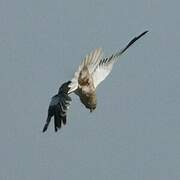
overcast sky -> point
(135, 131)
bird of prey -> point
(91, 72)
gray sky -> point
(134, 133)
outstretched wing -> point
(105, 65)
(58, 107)
(90, 61)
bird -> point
(91, 72)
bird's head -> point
(64, 87)
(91, 105)
(92, 109)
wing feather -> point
(105, 65)
(90, 61)
(58, 107)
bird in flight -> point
(91, 72)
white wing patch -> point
(104, 68)
(91, 61)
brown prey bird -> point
(91, 72)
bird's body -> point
(91, 72)
(86, 90)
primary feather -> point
(105, 65)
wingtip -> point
(145, 32)
(142, 34)
(44, 129)
(138, 37)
